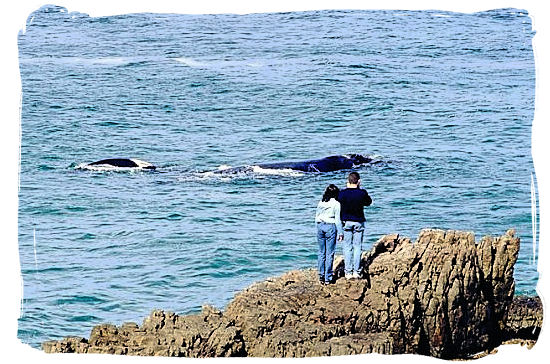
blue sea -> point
(445, 100)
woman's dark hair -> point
(330, 192)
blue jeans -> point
(353, 237)
(326, 236)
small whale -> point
(327, 164)
(117, 164)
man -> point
(352, 200)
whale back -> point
(327, 164)
(359, 159)
(330, 164)
(116, 162)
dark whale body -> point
(328, 164)
(116, 162)
(120, 163)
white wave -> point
(254, 64)
(141, 164)
(245, 172)
(441, 15)
(190, 62)
(100, 167)
(115, 61)
(107, 168)
(371, 156)
(206, 176)
(278, 172)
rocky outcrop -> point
(443, 296)
(162, 334)
(523, 319)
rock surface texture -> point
(444, 296)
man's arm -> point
(367, 200)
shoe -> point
(348, 276)
(355, 275)
(321, 281)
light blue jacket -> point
(329, 212)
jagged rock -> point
(162, 333)
(443, 296)
(524, 319)
(67, 345)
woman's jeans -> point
(353, 237)
(326, 236)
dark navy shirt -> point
(352, 201)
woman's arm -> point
(339, 228)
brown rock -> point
(524, 319)
(443, 296)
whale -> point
(117, 164)
(327, 164)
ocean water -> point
(445, 99)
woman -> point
(328, 226)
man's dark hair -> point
(330, 192)
(353, 178)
